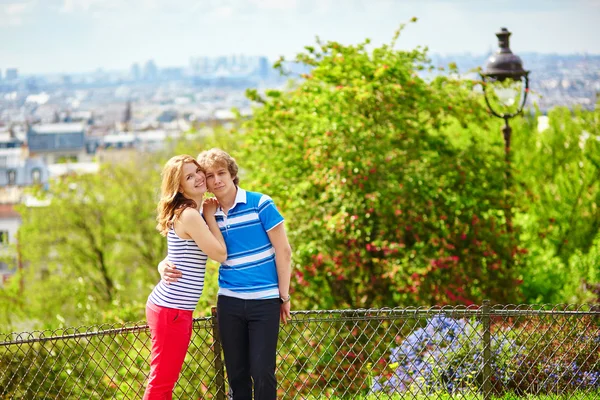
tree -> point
(383, 209)
(92, 245)
(558, 171)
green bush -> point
(382, 208)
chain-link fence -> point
(487, 352)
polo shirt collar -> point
(240, 197)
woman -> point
(190, 240)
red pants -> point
(171, 331)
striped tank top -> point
(191, 261)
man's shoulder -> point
(256, 199)
(250, 193)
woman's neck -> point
(198, 201)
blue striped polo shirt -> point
(249, 272)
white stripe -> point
(191, 260)
(265, 294)
(263, 199)
(250, 258)
(243, 218)
(254, 265)
(275, 226)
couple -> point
(242, 230)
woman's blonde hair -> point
(172, 202)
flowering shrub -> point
(446, 355)
(557, 357)
(384, 207)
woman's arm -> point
(208, 240)
(209, 207)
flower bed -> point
(529, 357)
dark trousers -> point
(249, 330)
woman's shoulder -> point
(190, 214)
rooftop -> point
(65, 127)
(8, 211)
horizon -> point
(142, 62)
(84, 36)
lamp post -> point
(503, 68)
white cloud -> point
(274, 4)
(95, 6)
(210, 8)
(223, 11)
(323, 7)
(15, 8)
(70, 6)
(13, 14)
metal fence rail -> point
(486, 352)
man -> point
(254, 281)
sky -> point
(70, 36)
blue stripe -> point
(240, 212)
(265, 205)
(248, 238)
(250, 252)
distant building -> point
(12, 74)
(58, 170)
(264, 68)
(127, 115)
(17, 171)
(10, 221)
(136, 72)
(85, 116)
(167, 116)
(124, 146)
(61, 142)
(171, 74)
(118, 141)
(156, 140)
(8, 139)
(150, 71)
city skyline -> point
(74, 36)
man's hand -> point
(284, 312)
(168, 272)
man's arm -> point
(168, 271)
(283, 262)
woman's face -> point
(193, 181)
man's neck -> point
(227, 200)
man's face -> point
(219, 181)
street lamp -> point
(502, 68)
(503, 79)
